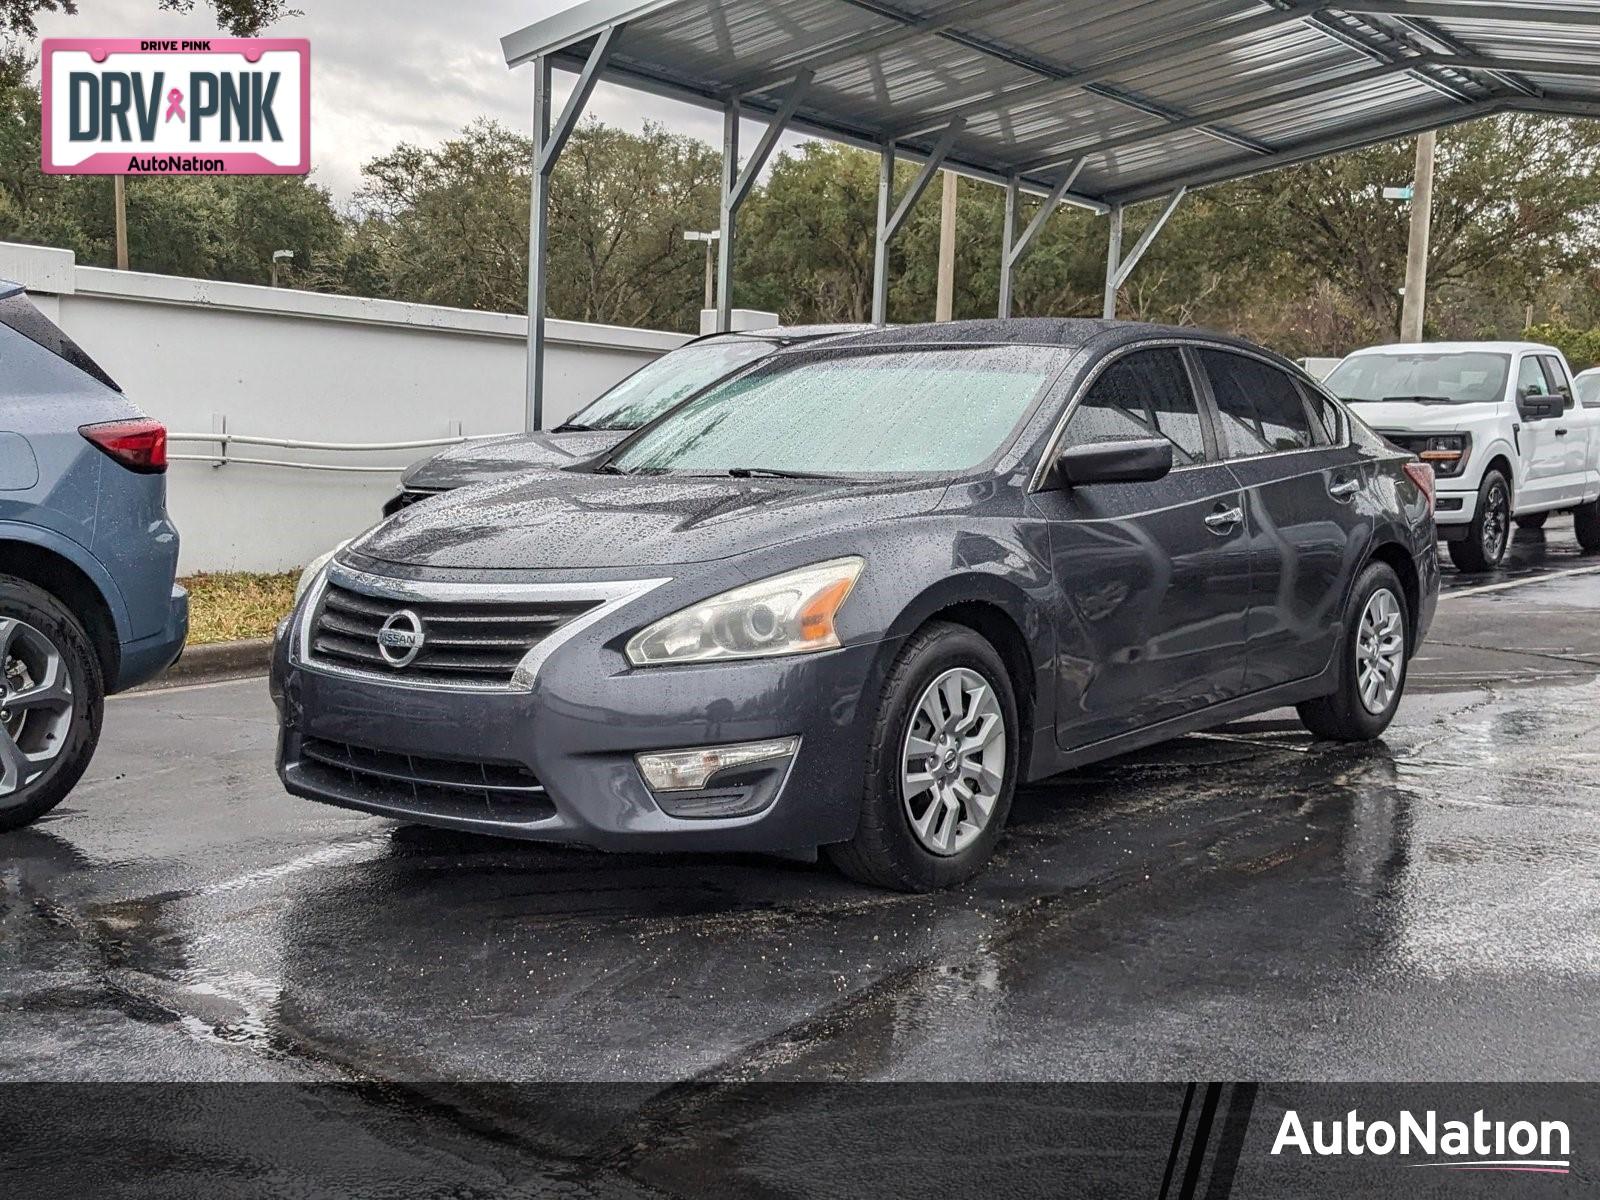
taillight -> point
(138, 445)
(1422, 475)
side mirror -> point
(1536, 407)
(1133, 460)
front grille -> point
(476, 644)
(436, 786)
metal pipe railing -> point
(224, 440)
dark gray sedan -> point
(601, 424)
(850, 598)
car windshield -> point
(1465, 377)
(671, 379)
(1589, 389)
(934, 410)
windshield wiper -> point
(572, 427)
(773, 473)
(609, 469)
(1408, 400)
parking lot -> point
(1238, 904)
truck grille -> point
(434, 786)
(475, 644)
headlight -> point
(1446, 453)
(787, 614)
(316, 567)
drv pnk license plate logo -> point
(215, 106)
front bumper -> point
(1456, 505)
(575, 734)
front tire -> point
(941, 768)
(1586, 522)
(52, 700)
(1487, 537)
(1372, 666)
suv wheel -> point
(1587, 524)
(52, 699)
(1490, 531)
(1372, 667)
(942, 766)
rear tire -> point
(931, 807)
(1490, 532)
(1533, 521)
(52, 698)
(1373, 663)
(1587, 524)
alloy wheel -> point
(36, 709)
(953, 762)
(1496, 521)
(1380, 651)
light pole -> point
(1421, 196)
(710, 239)
(279, 256)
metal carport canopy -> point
(1101, 103)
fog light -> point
(690, 770)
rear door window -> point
(1261, 408)
(1140, 395)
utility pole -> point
(710, 239)
(1416, 301)
(945, 305)
(119, 197)
(279, 256)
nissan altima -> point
(850, 598)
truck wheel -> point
(1533, 521)
(1373, 663)
(52, 699)
(941, 769)
(1587, 523)
(1489, 533)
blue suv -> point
(88, 602)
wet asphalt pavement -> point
(1242, 904)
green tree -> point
(242, 18)
(449, 225)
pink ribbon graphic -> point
(175, 105)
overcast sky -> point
(391, 71)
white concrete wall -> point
(304, 366)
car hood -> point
(482, 462)
(585, 521)
(1408, 417)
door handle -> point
(1345, 490)
(1561, 433)
(1224, 520)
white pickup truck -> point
(1503, 425)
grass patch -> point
(234, 605)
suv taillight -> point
(1422, 475)
(138, 445)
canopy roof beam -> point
(550, 136)
(737, 182)
(890, 223)
(1014, 248)
(1083, 78)
(852, 48)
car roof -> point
(786, 334)
(1070, 333)
(1458, 348)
